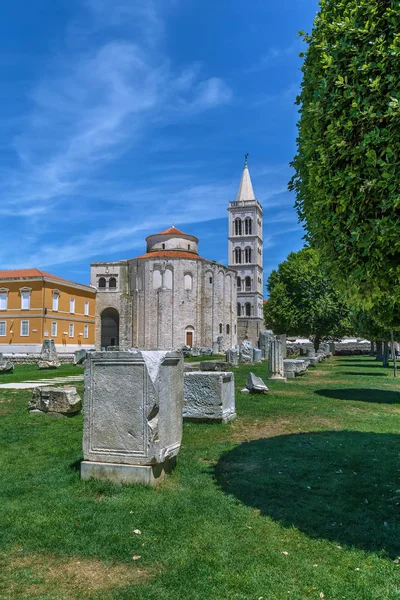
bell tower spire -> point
(245, 252)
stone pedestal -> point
(275, 361)
(132, 416)
(209, 397)
(232, 357)
(215, 348)
(257, 355)
(284, 348)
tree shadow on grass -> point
(335, 485)
(353, 363)
(361, 394)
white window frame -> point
(86, 308)
(56, 297)
(54, 329)
(4, 296)
(22, 328)
(71, 330)
(72, 305)
(5, 328)
(86, 332)
(25, 295)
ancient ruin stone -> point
(209, 397)
(255, 384)
(55, 400)
(133, 415)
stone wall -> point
(250, 328)
(32, 359)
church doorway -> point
(109, 328)
(189, 333)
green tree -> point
(302, 300)
(346, 168)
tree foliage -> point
(347, 164)
(303, 302)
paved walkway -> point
(26, 385)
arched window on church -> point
(239, 309)
(102, 282)
(247, 255)
(247, 309)
(238, 256)
(238, 227)
(239, 283)
(112, 284)
(247, 283)
(247, 226)
(188, 280)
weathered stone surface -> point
(257, 355)
(297, 365)
(265, 339)
(215, 347)
(58, 400)
(232, 357)
(246, 351)
(188, 368)
(284, 341)
(79, 357)
(48, 352)
(48, 364)
(213, 365)
(195, 352)
(310, 353)
(245, 391)
(133, 414)
(293, 367)
(275, 360)
(255, 384)
(6, 366)
(209, 397)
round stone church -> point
(166, 298)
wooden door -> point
(189, 339)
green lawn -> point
(32, 372)
(299, 498)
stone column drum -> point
(132, 415)
(275, 360)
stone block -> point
(48, 364)
(265, 339)
(48, 351)
(294, 365)
(55, 400)
(246, 352)
(133, 415)
(79, 357)
(255, 384)
(257, 355)
(6, 366)
(213, 365)
(209, 397)
(232, 357)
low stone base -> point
(223, 419)
(118, 473)
(277, 378)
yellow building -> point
(35, 306)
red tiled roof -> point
(171, 254)
(170, 231)
(30, 273)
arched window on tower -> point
(247, 309)
(247, 255)
(238, 227)
(248, 226)
(102, 282)
(247, 283)
(239, 283)
(238, 256)
(112, 284)
(239, 309)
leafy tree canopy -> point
(302, 301)
(347, 165)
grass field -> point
(299, 498)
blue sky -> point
(119, 117)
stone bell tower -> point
(245, 256)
